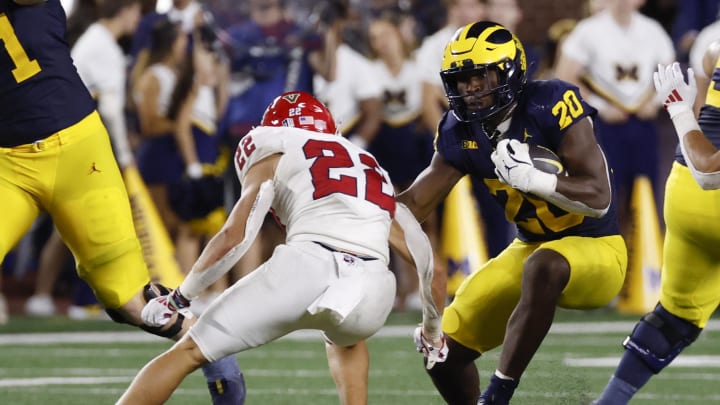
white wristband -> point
(542, 184)
(685, 122)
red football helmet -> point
(299, 109)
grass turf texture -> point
(571, 367)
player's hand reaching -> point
(513, 165)
(159, 310)
(434, 350)
(670, 86)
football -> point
(545, 160)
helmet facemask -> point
(483, 72)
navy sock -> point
(616, 392)
(225, 381)
(227, 367)
(633, 370)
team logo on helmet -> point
(291, 97)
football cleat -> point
(498, 391)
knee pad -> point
(659, 337)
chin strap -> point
(498, 133)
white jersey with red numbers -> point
(327, 190)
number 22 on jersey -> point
(25, 68)
(329, 155)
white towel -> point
(344, 293)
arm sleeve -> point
(421, 251)
(197, 281)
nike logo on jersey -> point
(526, 135)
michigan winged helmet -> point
(484, 51)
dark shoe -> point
(498, 392)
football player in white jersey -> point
(337, 206)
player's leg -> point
(17, 201)
(653, 344)
(349, 369)
(91, 210)
(475, 322)
(161, 376)
(545, 275)
(278, 293)
(597, 273)
(365, 289)
(689, 285)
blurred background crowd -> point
(199, 74)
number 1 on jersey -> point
(24, 67)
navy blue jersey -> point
(545, 111)
(40, 90)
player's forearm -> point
(595, 194)
(231, 243)
(703, 154)
(702, 158)
(699, 153)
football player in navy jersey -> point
(568, 253)
(55, 156)
(690, 277)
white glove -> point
(157, 312)
(670, 86)
(514, 167)
(434, 352)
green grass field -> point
(58, 361)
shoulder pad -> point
(258, 144)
